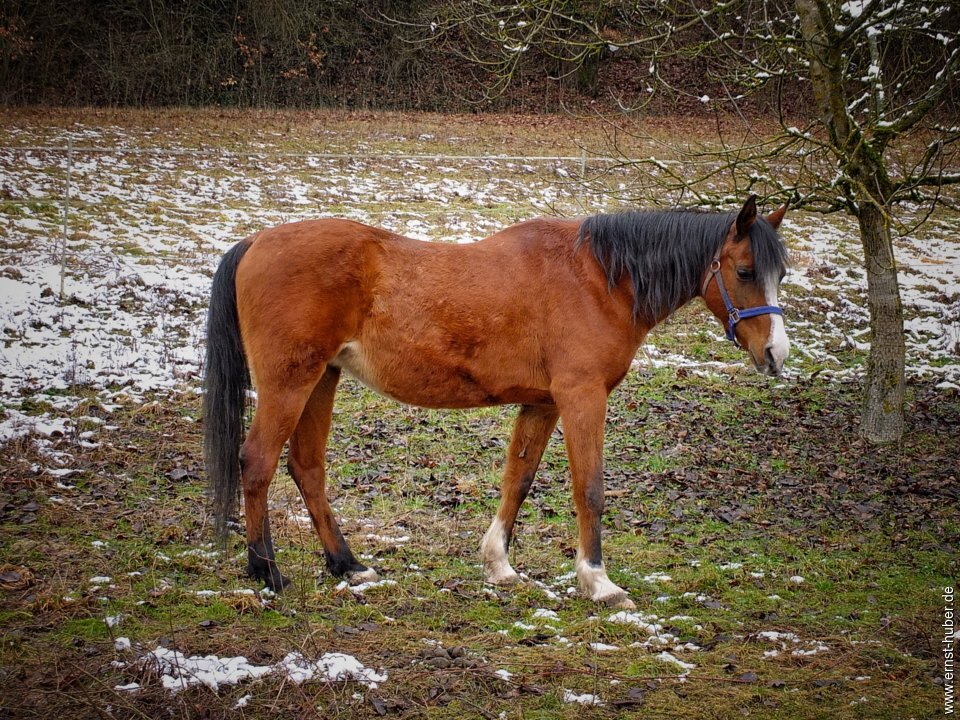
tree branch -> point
(854, 27)
(923, 107)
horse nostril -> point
(772, 366)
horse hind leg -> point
(531, 431)
(276, 416)
(308, 446)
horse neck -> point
(664, 315)
(652, 261)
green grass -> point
(869, 594)
(702, 472)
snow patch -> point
(178, 671)
(570, 697)
(670, 658)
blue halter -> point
(734, 315)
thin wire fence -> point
(92, 224)
(71, 151)
(366, 155)
(575, 180)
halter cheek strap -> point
(734, 315)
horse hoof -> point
(501, 574)
(615, 599)
(510, 578)
(269, 576)
(277, 583)
(626, 604)
(358, 577)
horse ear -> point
(776, 217)
(747, 216)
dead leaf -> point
(635, 697)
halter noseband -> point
(734, 315)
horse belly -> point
(352, 359)
(433, 382)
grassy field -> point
(781, 568)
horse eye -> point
(745, 274)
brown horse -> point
(546, 314)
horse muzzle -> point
(769, 365)
(776, 350)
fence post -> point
(66, 219)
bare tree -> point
(879, 73)
(875, 79)
(851, 48)
(568, 40)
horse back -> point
(431, 324)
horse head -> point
(741, 285)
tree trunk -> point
(882, 417)
(588, 74)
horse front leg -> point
(531, 431)
(583, 411)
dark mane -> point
(666, 253)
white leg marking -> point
(595, 584)
(493, 551)
(358, 578)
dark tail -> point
(226, 381)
